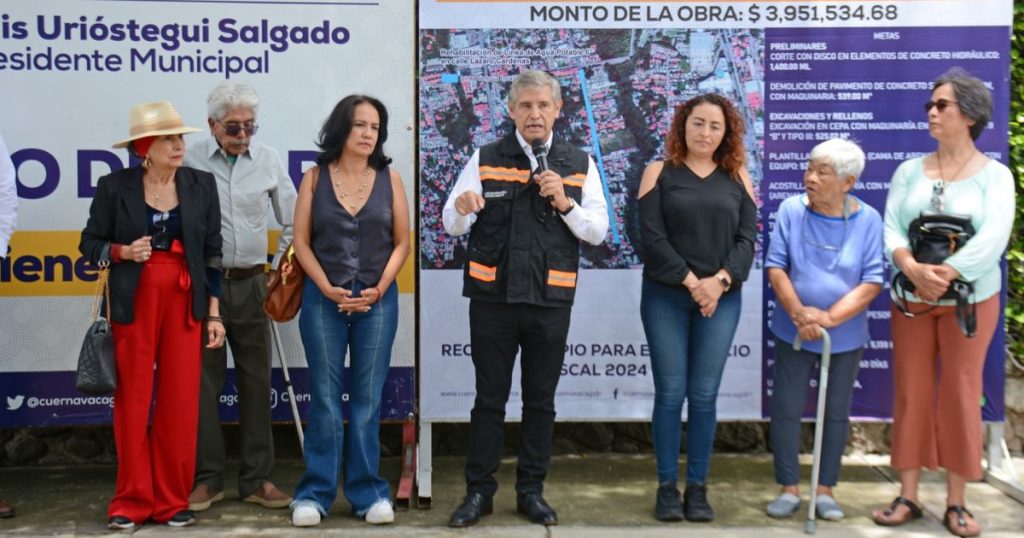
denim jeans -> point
(688, 353)
(329, 446)
(791, 374)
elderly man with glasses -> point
(251, 178)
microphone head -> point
(538, 147)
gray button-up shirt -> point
(257, 179)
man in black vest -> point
(520, 277)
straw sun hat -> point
(154, 119)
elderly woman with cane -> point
(825, 265)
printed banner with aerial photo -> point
(70, 70)
(799, 72)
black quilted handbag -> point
(97, 369)
(933, 238)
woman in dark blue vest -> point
(351, 237)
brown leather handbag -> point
(284, 293)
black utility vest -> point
(520, 250)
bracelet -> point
(215, 318)
(379, 294)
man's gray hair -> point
(228, 96)
(533, 79)
(844, 156)
(972, 96)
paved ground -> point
(597, 496)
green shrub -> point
(1015, 255)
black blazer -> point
(118, 216)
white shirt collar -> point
(527, 148)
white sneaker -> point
(305, 514)
(380, 513)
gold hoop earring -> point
(147, 162)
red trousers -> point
(156, 440)
(937, 377)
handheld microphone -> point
(540, 151)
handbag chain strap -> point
(102, 291)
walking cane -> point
(826, 358)
(288, 384)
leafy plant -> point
(1015, 255)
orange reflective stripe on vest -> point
(562, 279)
(575, 180)
(482, 272)
(497, 173)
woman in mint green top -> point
(987, 195)
(936, 414)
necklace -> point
(942, 175)
(151, 190)
(339, 184)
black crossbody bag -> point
(933, 238)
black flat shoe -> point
(695, 504)
(533, 506)
(667, 506)
(120, 523)
(473, 507)
(185, 518)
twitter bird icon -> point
(14, 403)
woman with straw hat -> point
(158, 224)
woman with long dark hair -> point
(351, 237)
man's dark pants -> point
(497, 331)
(248, 334)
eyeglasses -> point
(938, 195)
(160, 240)
(232, 128)
(940, 104)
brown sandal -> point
(913, 513)
(961, 522)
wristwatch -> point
(723, 281)
(572, 205)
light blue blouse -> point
(825, 257)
